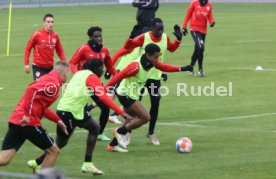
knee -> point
(61, 142)
(146, 118)
(4, 161)
(54, 150)
(95, 129)
(155, 100)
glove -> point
(107, 75)
(213, 24)
(164, 77)
(90, 107)
(187, 68)
(177, 32)
(184, 31)
(135, 31)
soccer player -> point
(24, 123)
(199, 12)
(133, 78)
(145, 13)
(44, 42)
(157, 36)
(72, 109)
(94, 49)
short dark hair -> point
(155, 21)
(47, 15)
(92, 29)
(152, 48)
(92, 64)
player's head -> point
(151, 56)
(63, 69)
(157, 27)
(203, 2)
(95, 38)
(48, 21)
(95, 65)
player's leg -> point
(103, 117)
(93, 129)
(12, 142)
(38, 71)
(61, 138)
(199, 49)
(39, 137)
(201, 55)
(153, 87)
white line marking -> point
(13, 55)
(254, 69)
(260, 40)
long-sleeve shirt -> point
(139, 41)
(95, 83)
(133, 68)
(122, 51)
(44, 44)
(84, 53)
(198, 16)
(37, 99)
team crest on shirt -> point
(208, 8)
(54, 40)
(103, 55)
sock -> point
(114, 142)
(88, 158)
(40, 159)
(122, 130)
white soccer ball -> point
(184, 145)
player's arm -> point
(59, 50)
(149, 4)
(172, 46)
(188, 15)
(93, 82)
(108, 63)
(75, 59)
(131, 70)
(122, 51)
(31, 44)
(135, 42)
(171, 68)
(211, 18)
(52, 116)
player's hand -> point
(135, 31)
(184, 31)
(187, 68)
(128, 117)
(62, 126)
(213, 24)
(107, 75)
(164, 77)
(27, 68)
(24, 121)
(177, 32)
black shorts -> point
(39, 71)
(126, 101)
(70, 122)
(16, 136)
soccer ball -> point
(184, 145)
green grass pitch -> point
(233, 136)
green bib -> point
(133, 85)
(155, 73)
(76, 95)
(125, 60)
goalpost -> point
(9, 29)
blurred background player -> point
(24, 122)
(44, 42)
(146, 10)
(133, 78)
(72, 109)
(199, 12)
(94, 49)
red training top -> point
(94, 82)
(44, 44)
(84, 53)
(198, 16)
(36, 100)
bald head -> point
(63, 69)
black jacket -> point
(146, 11)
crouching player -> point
(72, 109)
(24, 123)
(134, 77)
